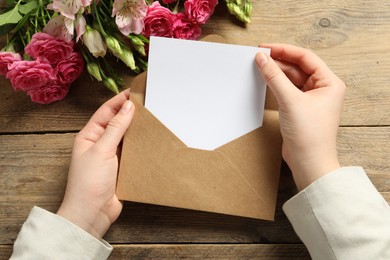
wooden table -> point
(352, 36)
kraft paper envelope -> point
(239, 178)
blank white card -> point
(207, 94)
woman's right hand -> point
(310, 98)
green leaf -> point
(10, 17)
(22, 22)
(30, 6)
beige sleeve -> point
(342, 216)
(45, 235)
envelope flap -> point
(143, 122)
(138, 88)
(188, 178)
(257, 155)
(165, 172)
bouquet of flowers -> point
(50, 42)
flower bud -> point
(128, 58)
(136, 41)
(111, 85)
(233, 8)
(241, 9)
(94, 70)
(248, 8)
(93, 40)
(140, 50)
(114, 46)
(137, 44)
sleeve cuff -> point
(341, 215)
(45, 235)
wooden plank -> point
(180, 251)
(351, 35)
(33, 171)
(368, 147)
(252, 251)
(5, 252)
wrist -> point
(308, 169)
(304, 177)
(92, 221)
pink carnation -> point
(70, 69)
(199, 10)
(28, 75)
(183, 28)
(53, 91)
(158, 21)
(49, 47)
(6, 59)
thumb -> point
(283, 89)
(117, 126)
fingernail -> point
(127, 106)
(261, 59)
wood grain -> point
(180, 251)
(33, 171)
(252, 251)
(351, 36)
(368, 147)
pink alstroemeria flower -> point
(63, 27)
(69, 8)
(130, 15)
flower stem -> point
(21, 37)
(105, 6)
(42, 10)
(47, 13)
(96, 14)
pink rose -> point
(168, 1)
(28, 75)
(70, 69)
(53, 49)
(158, 21)
(199, 10)
(6, 59)
(183, 28)
(53, 91)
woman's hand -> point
(90, 201)
(310, 98)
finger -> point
(293, 73)
(304, 58)
(96, 126)
(283, 89)
(109, 109)
(117, 127)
